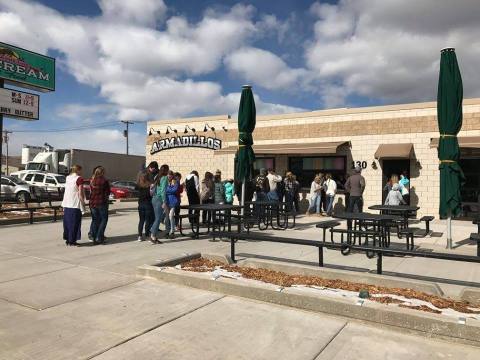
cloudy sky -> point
(161, 59)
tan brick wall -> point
(365, 130)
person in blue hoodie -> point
(171, 202)
(229, 191)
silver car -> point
(13, 188)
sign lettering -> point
(19, 104)
(27, 69)
(186, 141)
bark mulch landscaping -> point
(285, 280)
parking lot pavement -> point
(59, 302)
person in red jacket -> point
(181, 187)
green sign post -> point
(24, 68)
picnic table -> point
(267, 213)
(221, 215)
(403, 210)
(368, 225)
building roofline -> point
(317, 113)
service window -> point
(263, 163)
(305, 168)
(39, 178)
(50, 181)
(28, 177)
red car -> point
(122, 189)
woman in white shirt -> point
(73, 206)
(315, 195)
(330, 186)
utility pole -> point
(125, 132)
(5, 139)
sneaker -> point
(90, 237)
(140, 238)
(153, 239)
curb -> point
(432, 325)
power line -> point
(78, 128)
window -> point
(38, 178)
(470, 191)
(60, 179)
(263, 163)
(29, 177)
(5, 182)
(51, 180)
(305, 168)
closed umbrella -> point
(246, 124)
(449, 115)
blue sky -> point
(154, 59)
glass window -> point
(60, 179)
(51, 180)
(5, 181)
(305, 168)
(471, 190)
(263, 163)
(38, 178)
(28, 177)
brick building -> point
(383, 140)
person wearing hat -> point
(355, 186)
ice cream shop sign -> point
(186, 141)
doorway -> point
(390, 167)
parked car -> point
(123, 189)
(45, 185)
(13, 188)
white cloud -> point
(390, 50)
(264, 68)
(144, 12)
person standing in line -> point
(151, 171)
(405, 187)
(273, 180)
(181, 187)
(394, 196)
(99, 193)
(73, 204)
(262, 187)
(192, 187)
(296, 193)
(229, 191)
(145, 208)
(330, 186)
(171, 203)
(315, 196)
(289, 185)
(355, 186)
(206, 195)
(94, 221)
(323, 195)
(218, 189)
(159, 202)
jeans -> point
(159, 215)
(146, 216)
(355, 200)
(330, 199)
(272, 196)
(170, 220)
(207, 215)
(99, 222)
(315, 203)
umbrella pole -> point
(449, 231)
(242, 203)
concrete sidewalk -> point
(59, 302)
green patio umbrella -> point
(246, 124)
(449, 115)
